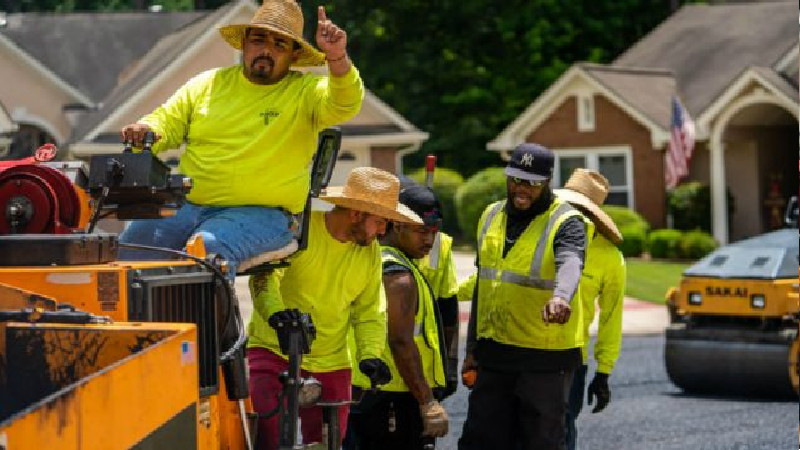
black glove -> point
(599, 388)
(376, 370)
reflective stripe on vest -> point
(489, 217)
(533, 279)
(433, 255)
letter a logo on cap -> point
(527, 160)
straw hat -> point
(374, 191)
(588, 190)
(281, 16)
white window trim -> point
(586, 112)
(592, 155)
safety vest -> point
(426, 334)
(513, 290)
(437, 267)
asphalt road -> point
(647, 412)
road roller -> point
(734, 318)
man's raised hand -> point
(331, 39)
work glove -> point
(469, 371)
(376, 370)
(599, 388)
(434, 419)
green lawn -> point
(650, 280)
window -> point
(615, 163)
(585, 112)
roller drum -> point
(732, 362)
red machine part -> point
(37, 199)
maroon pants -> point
(265, 387)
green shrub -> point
(445, 184)
(625, 217)
(664, 243)
(690, 206)
(696, 244)
(633, 240)
(481, 189)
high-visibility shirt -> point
(466, 288)
(438, 267)
(603, 278)
(426, 333)
(513, 290)
(339, 285)
(250, 144)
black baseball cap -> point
(531, 162)
(422, 201)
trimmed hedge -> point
(625, 217)
(664, 243)
(445, 184)
(633, 240)
(697, 244)
(480, 190)
(690, 206)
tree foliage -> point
(463, 70)
(459, 70)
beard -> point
(260, 73)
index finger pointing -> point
(321, 13)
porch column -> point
(719, 199)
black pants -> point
(509, 408)
(575, 405)
(386, 421)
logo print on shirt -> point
(527, 160)
(269, 114)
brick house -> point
(735, 67)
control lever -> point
(149, 140)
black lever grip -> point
(149, 140)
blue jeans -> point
(575, 405)
(235, 233)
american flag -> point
(681, 144)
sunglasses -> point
(534, 183)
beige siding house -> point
(76, 79)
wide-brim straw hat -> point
(588, 190)
(280, 16)
(373, 191)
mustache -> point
(262, 58)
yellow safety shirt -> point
(339, 285)
(603, 278)
(250, 144)
(438, 267)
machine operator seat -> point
(330, 140)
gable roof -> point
(639, 92)
(707, 46)
(89, 50)
(780, 88)
(643, 89)
(152, 64)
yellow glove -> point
(434, 419)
